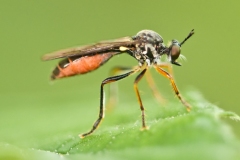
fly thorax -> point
(149, 48)
(146, 52)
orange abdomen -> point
(79, 65)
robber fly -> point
(146, 47)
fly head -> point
(174, 50)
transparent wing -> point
(91, 49)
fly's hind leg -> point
(113, 92)
(113, 87)
(101, 112)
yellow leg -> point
(138, 78)
(169, 76)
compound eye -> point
(175, 52)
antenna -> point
(189, 35)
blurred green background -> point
(29, 29)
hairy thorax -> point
(150, 48)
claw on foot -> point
(188, 108)
(144, 128)
(81, 136)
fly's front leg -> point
(168, 67)
(169, 76)
(138, 78)
(101, 112)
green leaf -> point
(174, 134)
